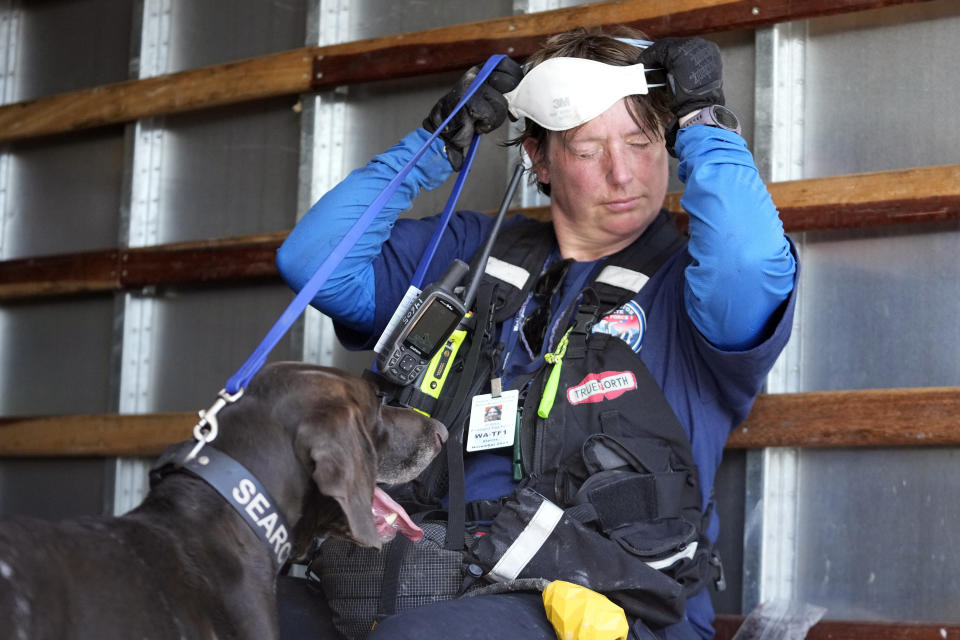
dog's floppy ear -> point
(345, 467)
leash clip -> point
(207, 428)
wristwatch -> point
(714, 116)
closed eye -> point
(585, 153)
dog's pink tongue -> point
(391, 518)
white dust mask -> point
(562, 93)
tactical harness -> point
(610, 495)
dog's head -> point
(348, 441)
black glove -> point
(694, 71)
(485, 111)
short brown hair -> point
(651, 111)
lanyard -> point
(577, 278)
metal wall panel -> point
(207, 33)
(72, 44)
(879, 534)
(375, 18)
(230, 172)
(55, 357)
(224, 172)
(883, 87)
(879, 309)
(65, 195)
(202, 338)
(52, 488)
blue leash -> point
(421, 271)
(241, 378)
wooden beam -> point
(94, 435)
(246, 259)
(285, 73)
(48, 276)
(463, 45)
(926, 194)
(923, 194)
(390, 57)
(727, 625)
(870, 418)
(230, 260)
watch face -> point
(725, 118)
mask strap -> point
(643, 44)
(635, 42)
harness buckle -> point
(207, 428)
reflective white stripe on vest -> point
(527, 543)
(688, 552)
(509, 273)
(624, 278)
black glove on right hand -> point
(485, 111)
(694, 71)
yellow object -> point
(436, 372)
(578, 613)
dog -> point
(186, 563)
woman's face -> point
(607, 182)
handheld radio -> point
(424, 328)
(436, 312)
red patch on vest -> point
(597, 387)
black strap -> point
(527, 245)
(470, 378)
(390, 589)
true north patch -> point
(596, 387)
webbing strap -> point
(519, 554)
(395, 554)
(456, 481)
(242, 377)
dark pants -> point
(303, 611)
(304, 614)
(502, 616)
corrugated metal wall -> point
(867, 533)
(880, 308)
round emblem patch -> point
(627, 323)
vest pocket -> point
(661, 543)
(629, 489)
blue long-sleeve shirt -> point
(742, 267)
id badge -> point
(492, 421)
